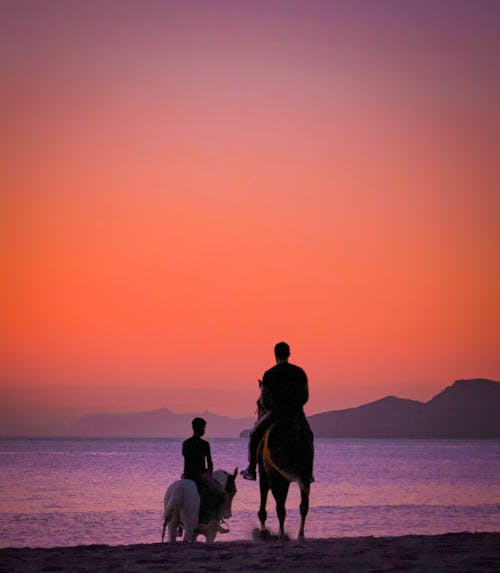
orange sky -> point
(186, 183)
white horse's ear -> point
(235, 472)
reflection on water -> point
(68, 492)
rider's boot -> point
(250, 473)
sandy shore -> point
(457, 552)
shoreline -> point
(457, 552)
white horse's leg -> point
(172, 532)
(190, 523)
(190, 513)
(212, 531)
(173, 500)
(172, 528)
(167, 514)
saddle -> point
(291, 429)
(210, 502)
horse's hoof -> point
(283, 537)
(263, 535)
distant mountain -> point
(388, 417)
(160, 423)
(467, 409)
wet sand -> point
(457, 552)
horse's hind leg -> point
(280, 494)
(304, 508)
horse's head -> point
(227, 481)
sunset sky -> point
(185, 183)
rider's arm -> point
(305, 392)
(266, 395)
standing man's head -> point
(199, 425)
(282, 352)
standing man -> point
(284, 392)
(198, 464)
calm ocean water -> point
(56, 492)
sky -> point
(186, 183)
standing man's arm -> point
(184, 456)
(210, 465)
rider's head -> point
(282, 352)
(199, 425)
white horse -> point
(182, 508)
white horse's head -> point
(227, 482)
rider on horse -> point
(284, 391)
(198, 467)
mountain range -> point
(161, 423)
(466, 409)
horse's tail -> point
(288, 449)
(168, 512)
(269, 462)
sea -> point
(66, 492)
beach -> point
(457, 552)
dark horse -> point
(285, 455)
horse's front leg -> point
(264, 490)
(304, 508)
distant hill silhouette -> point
(159, 423)
(467, 409)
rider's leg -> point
(310, 439)
(256, 436)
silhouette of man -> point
(198, 464)
(284, 391)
